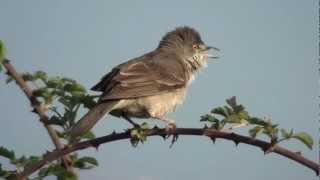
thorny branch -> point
(38, 108)
(63, 152)
(208, 132)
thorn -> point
(96, 146)
(299, 153)
(236, 142)
(113, 132)
(174, 140)
(205, 126)
(213, 140)
(155, 127)
(269, 150)
(163, 136)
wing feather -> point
(139, 78)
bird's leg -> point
(170, 124)
(130, 121)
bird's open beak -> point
(212, 52)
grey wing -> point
(140, 78)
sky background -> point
(268, 60)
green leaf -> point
(144, 125)
(3, 51)
(134, 132)
(4, 152)
(257, 121)
(4, 173)
(286, 134)
(209, 118)
(243, 115)
(238, 108)
(74, 88)
(66, 175)
(58, 171)
(255, 131)
(54, 82)
(89, 135)
(304, 138)
(27, 77)
(20, 162)
(220, 111)
(88, 101)
(40, 75)
(86, 162)
(32, 160)
(56, 121)
(43, 172)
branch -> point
(38, 108)
(211, 133)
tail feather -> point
(90, 119)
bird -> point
(152, 85)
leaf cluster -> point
(62, 98)
(234, 113)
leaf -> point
(4, 152)
(220, 111)
(86, 162)
(43, 172)
(3, 51)
(88, 101)
(144, 125)
(238, 108)
(74, 88)
(4, 173)
(285, 134)
(89, 135)
(27, 77)
(243, 115)
(56, 121)
(40, 75)
(209, 118)
(134, 132)
(20, 162)
(255, 131)
(66, 175)
(257, 121)
(304, 138)
(32, 160)
(55, 82)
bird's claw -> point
(171, 126)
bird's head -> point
(187, 43)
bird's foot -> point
(171, 126)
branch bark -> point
(38, 109)
(208, 132)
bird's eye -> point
(195, 46)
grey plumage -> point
(151, 85)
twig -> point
(211, 133)
(38, 109)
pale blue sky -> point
(268, 60)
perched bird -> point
(151, 85)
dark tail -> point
(90, 119)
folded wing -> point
(140, 78)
